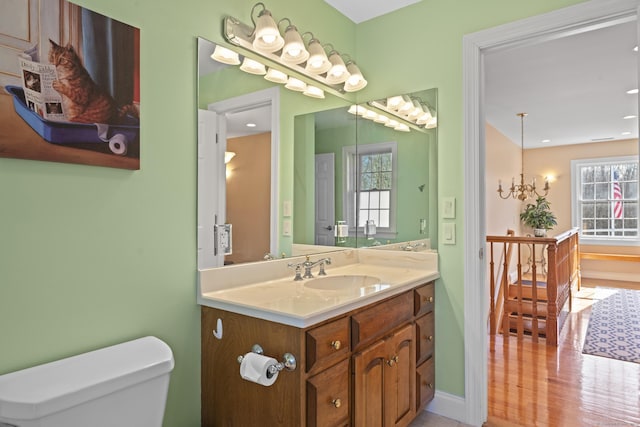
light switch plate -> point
(286, 227)
(449, 233)
(286, 208)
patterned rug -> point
(614, 327)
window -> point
(370, 186)
(605, 199)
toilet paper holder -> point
(288, 361)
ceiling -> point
(363, 10)
(573, 88)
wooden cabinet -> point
(328, 397)
(384, 387)
(424, 302)
(370, 367)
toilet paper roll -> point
(118, 144)
(254, 368)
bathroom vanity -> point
(364, 351)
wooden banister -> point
(529, 311)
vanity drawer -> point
(424, 297)
(328, 397)
(424, 337)
(381, 318)
(425, 383)
(327, 344)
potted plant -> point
(539, 217)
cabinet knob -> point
(393, 361)
(429, 299)
(430, 338)
(336, 402)
(336, 344)
(430, 385)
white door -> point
(325, 199)
(25, 26)
(210, 192)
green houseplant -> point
(539, 217)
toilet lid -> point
(44, 389)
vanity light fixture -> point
(293, 51)
(288, 52)
(408, 110)
(338, 72)
(266, 36)
(355, 81)
(376, 117)
(522, 191)
(253, 67)
(313, 92)
(276, 76)
(225, 56)
(318, 63)
(392, 123)
(295, 85)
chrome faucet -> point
(308, 265)
(414, 247)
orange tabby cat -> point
(83, 100)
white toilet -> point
(124, 385)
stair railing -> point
(536, 304)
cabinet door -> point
(384, 392)
(400, 375)
(328, 397)
(369, 383)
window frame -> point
(351, 161)
(576, 215)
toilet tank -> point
(122, 385)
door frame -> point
(270, 96)
(582, 17)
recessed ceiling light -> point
(632, 91)
(609, 138)
(626, 133)
(546, 140)
(629, 117)
(251, 125)
(635, 49)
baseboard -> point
(448, 405)
(610, 275)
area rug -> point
(614, 327)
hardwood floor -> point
(538, 385)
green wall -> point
(93, 256)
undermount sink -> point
(343, 282)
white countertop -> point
(267, 290)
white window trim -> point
(350, 174)
(575, 190)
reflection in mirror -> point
(375, 171)
(237, 164)
(227, 97)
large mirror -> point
(275, 139)
(360, 182)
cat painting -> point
(83, 100)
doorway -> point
(580, 18)
(212, 173)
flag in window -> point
(617, 196)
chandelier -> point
(522, 191)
